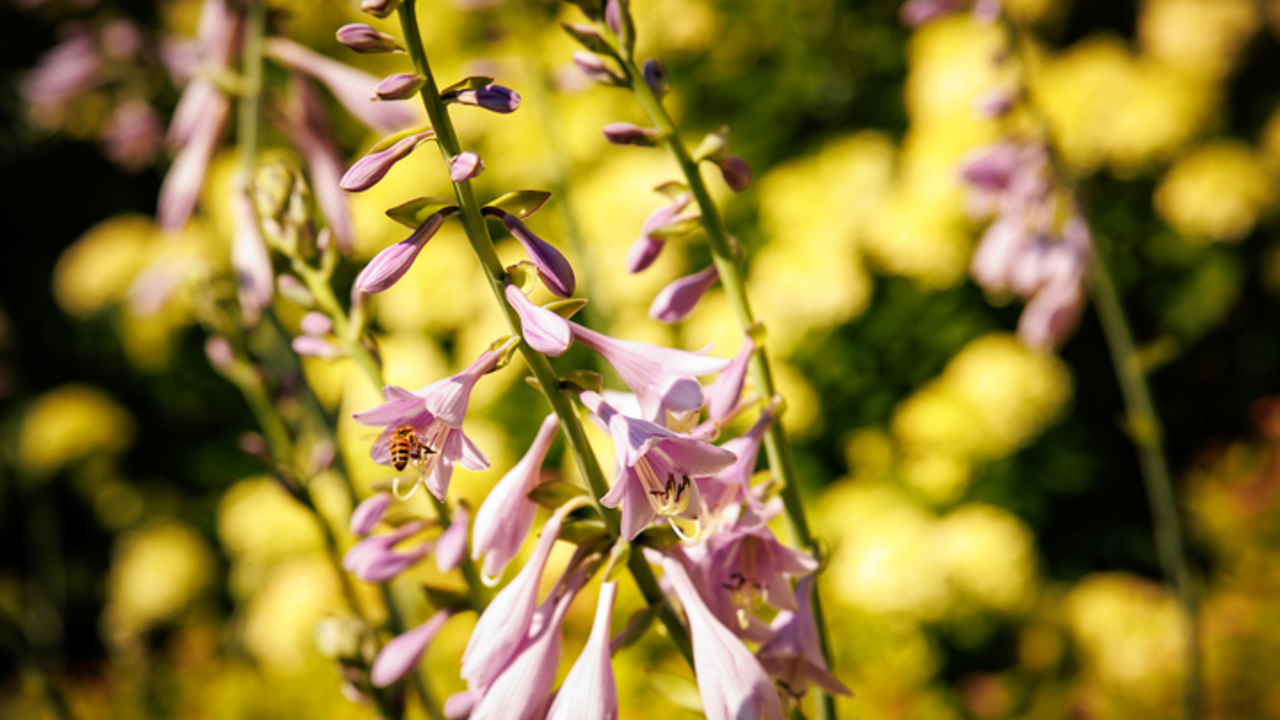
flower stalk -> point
(728, 265)
(482, 245)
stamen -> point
(395, 488)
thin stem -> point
(777, 446)
(250, 103)
(1147, 434)
(482, 245)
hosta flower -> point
(793, 656)
(353, 88)
(662, 378)
(451, 546)
(727, 488)
(589, 691)
(722, 396)
(375, 559)
(545, 331)
(401, 654)
(553, 268)
(435, 414)
(675, 301)
(255, 277)
(649, 246)
(656, 469)
(388, 266)
(731, 681)
(505, 517)
(369, 513)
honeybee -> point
(406, 446)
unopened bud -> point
(399, 86)
(380, 8)
(494, 98)
(294, 291)
(624, 133)
(465, 166)
(218, 350)
(314, 323)
(736, 172)
(364, 39)
(655, 75)
(593, 67)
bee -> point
(406, 446)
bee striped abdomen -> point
(404, 445)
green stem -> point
(250, 102)
(1147, 435)
(482, 245)
(777, 446)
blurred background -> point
(990, 543)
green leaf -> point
(583, 379)
(474, 82)
(415, 212)
(671, 189)
(552, 495)
(583, 532)
(618, 558)
(566, 308)
(390, 140)
(523, 275)
(588, 37)
(677, 230)
(658, 537)
(680, 690)
(521, 203)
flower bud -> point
(399, 86)
(364, 39)
(736, 173)
(655, 75)
(369, 512)
(624, 133)
(494, 98)
(312, 346)
(553, 268)
(314, 323)
(593, 67)
(391, 264)
(380, 8)
(294, 291)
(368, 170)
(677, 300)
(465, 166)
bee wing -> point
(381, 450)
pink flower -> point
(254, 274)
(647, 248)
(545, 331)
(733, 684)
(504, 519)
(435, 413)
(314, 137)
(589, 691)
(375, 559)
(793, 655)
(401, 655)
(553, 268)
(731, 485)
(501, 630)
(368, 513)
(370, 169)
(662, 378)
(451, 546)
(722, 396)
(656, 468)
(675, 301)
(465, 166)
(388, 266)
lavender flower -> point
(675, 301)
(655, 76)
(733, 684)
(501, 630)
(545, 331)
(400, 656)
(593, 67)
(465, 166)
(375, 559)
(369, 513)
(399, 86)
(255, 277)
(504, 519)
(494, 98)
(451, 546)
(364, 39)
(388, 266)
(625, 133)
(656, 470)
(435, 413)
(553, 268)
(662, 378)
(589, 691)
(646, 249)
(317, 347)
(722, 396)
(379, 8)
(793, 656)
(370, 169)
(723, 491)
(68, 69)
(736, 173)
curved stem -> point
(777, 446)
(482, 245)
(1146, 432)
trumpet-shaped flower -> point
(435, 413)
(545, 331)
(793, 656)
(722, 396)
(656, 469)
(731, 681)
(370, 169)
(726, 488)
(505, 517)
(401, 655)
(375, 559)
(501, 630)
(662, 378)
(369, 512)
(589, 691)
